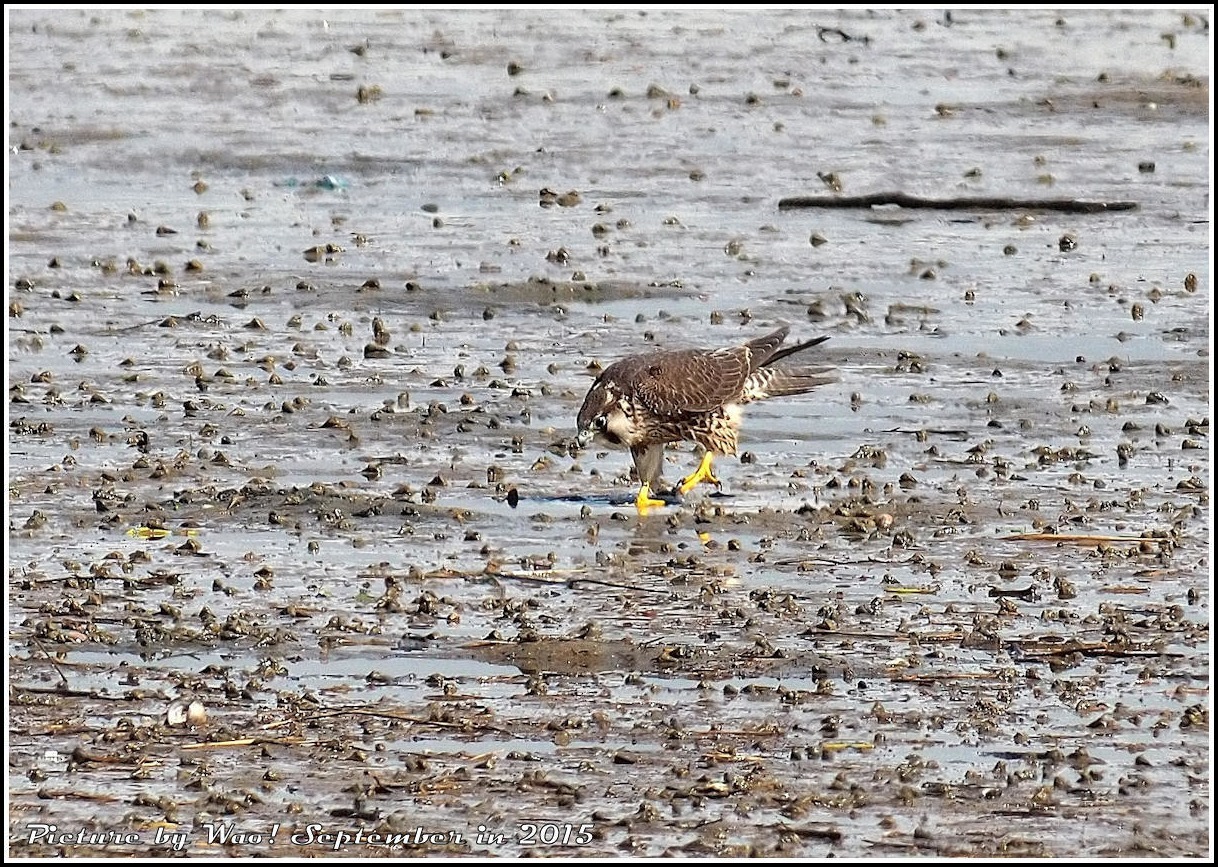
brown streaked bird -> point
(646, 401)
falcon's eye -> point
(601, 422)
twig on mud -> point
(989, 203)
(82, 755)
(939, 678)
(764, 731)
(50, 659)
(1089, 649)
(832, 835)
(1080, 538)
(170, 321)
(960, 433)
(826, 561)
(619, 586)
(243, 742)
(94, 694)
(718, 756)
(822, 32)
(414, 720)
(537, 578)
(72, 794)
(532, 578)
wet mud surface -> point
(302, 558)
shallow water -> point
(848, 651)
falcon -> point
(644, 402)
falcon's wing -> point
(691, 380)
(765, 349)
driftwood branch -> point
(985, 203)
(1080, 538)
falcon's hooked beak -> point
(590, 428)
(598, 425)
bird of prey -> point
(646, 401)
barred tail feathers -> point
(781, 382)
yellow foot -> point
(645, 500)
(702, 474)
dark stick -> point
(1072, 206)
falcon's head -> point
(604, 415)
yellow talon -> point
(645, 500)
(702, 474)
